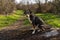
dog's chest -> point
(31, 18)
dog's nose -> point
(26, 16)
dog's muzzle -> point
(27, 15)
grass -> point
(50, 19)
(26, 22)
(10, 19)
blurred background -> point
(12, 10)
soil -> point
(18, 31)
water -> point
(51, 33)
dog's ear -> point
(24, 12)
(30, 11)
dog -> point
(35, 21)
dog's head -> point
(27, 12)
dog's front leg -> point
(33, 30)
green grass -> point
(49, 18)
(10, 19)
(26, 22)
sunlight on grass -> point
(10, 19)
(50, 19)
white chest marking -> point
(29, 18)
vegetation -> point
(13, 21)
(7, 6)
(50, 19)
(10, 19)
(46, 11)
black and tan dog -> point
(34, 20)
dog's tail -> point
(42, 21)
(44, 24)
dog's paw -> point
(38, 30)
(33, 32)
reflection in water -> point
(51, 33)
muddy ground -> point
(18, 31)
